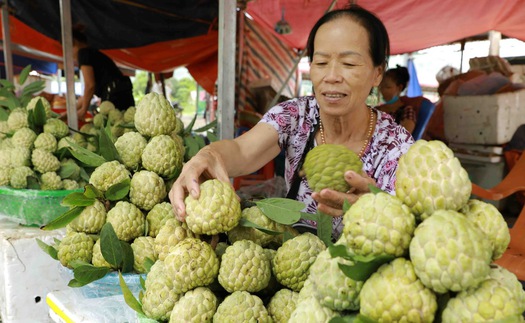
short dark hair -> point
(378, 40)
(79, 34)
(399, 75)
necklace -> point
(371, 121)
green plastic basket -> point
(32, 207)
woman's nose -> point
(333, 73)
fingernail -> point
(194, 193)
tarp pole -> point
(226, 72)
(494, 38)
(67, 50)
(6, 34)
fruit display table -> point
(69, 305)
(27, 272)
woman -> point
(348, 50)
(101, 77)
(394, 82)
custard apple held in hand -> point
(430, 178)
(75, 246)
(450, 252)
(160, 296)
(164, 156)
(108, 174)
(147, 189)
(127, 220)
(378, 224)
(216, 210)
(291, 264)
(191, 263)
(155, 116)
(244, 266)
(325, 166)
(241, 306)
(491, 222)
(197, 305)
(394, 294)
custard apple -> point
(24, 137)
(20, 156)
(56, 127)
(333, 289)
(127, 220)
(108, 174)
(325, 166)
(291, 264)
(99, 121)
(45, 103)
(489, 301)
(105, 107)
(216, 210)
(170, 234)
(5, 174)
(19, 176)
(195, 306)
(75, 246)
(158, 216)
(130, 147)
(491, 222)
(44, 161)
(163, 156)
(378, 224)
(282, 304)
(430, 178)
(115, 115)
(50, 181)
(17, 119)
(155, 115)
(69, 184)
(160, 296)
(508, 279)
(143, 248)
(310, 310)
(4, 129)
(98, 259)
(244, 266)
(394, 294)
(91, 219)
(241, 306)
(46, 141)
(450, 252)
(129, 115)
(254, 215)
(191, 263)
(146, 189)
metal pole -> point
(67, 50)
(226, 74)
(6, 34)
(494, 38)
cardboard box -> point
(28, 274)
(483, 119)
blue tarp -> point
(413, 87)
(19, 62)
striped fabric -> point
(265, 60)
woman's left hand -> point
(330, 202)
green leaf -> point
(106, 147)
(33, 183)
(352, 318)
(50, 250)
(130, 299)
(207, 127)
(3, 114)
(127, 256)
(7, 84)
(147, 264)
(200, 141)
(24, 74)
(84, 155)
(91, 191)
(63, 219)
(88, 273)
(11, 101)
(363, 267)
(129, 125)
(247, 223)
(309, 216)
(346, 206)
(281, 210)
(67, 169)
(374, 189)
(110, 246)
(212, 137)
(30, 89)
(39, 114)
(324, 228)
(189, 128)
(77, 199)
(192, 147)
(118, 191)
(142, 282)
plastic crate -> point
(483, 119)
(32, 207)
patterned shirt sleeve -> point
(409, 113)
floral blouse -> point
(296, 118)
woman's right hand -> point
(207, 164)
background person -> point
(394, 83)
(101, 76)
(348, 50)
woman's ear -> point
(378, 77)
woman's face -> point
(389, 89)
(342, 71)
